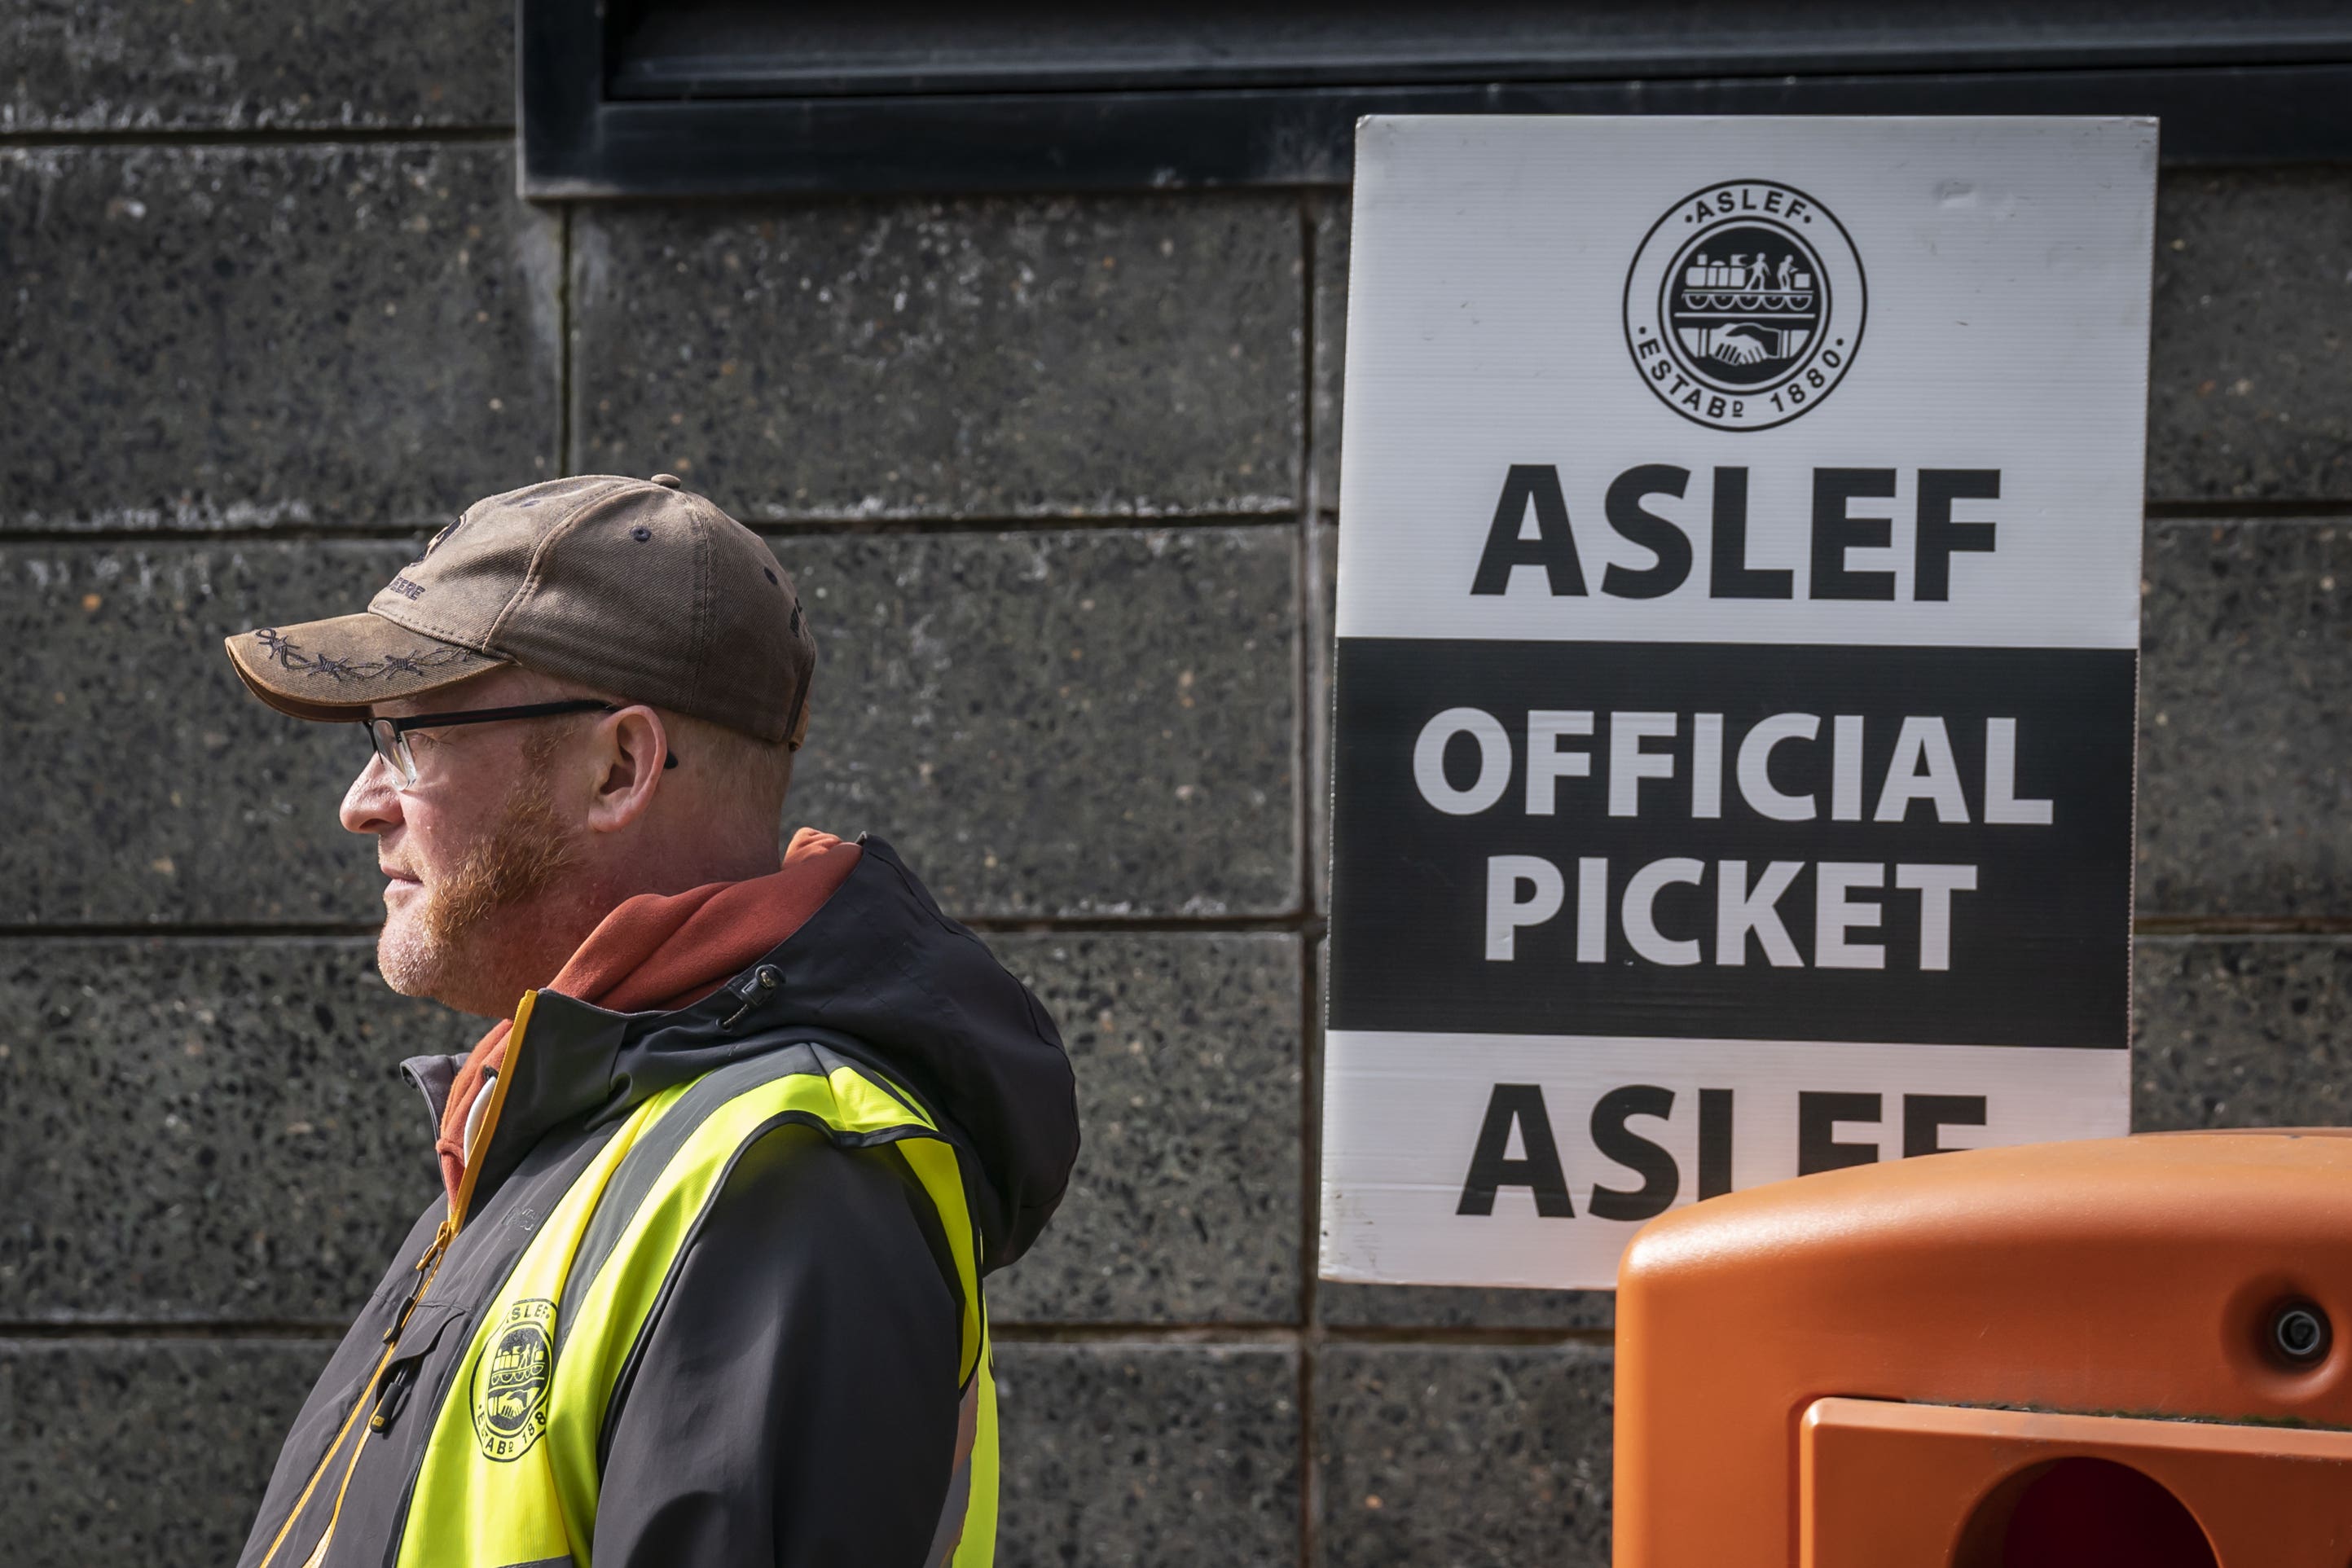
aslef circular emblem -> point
(1744, 303)
(510, 1391)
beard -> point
(448, 949)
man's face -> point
(468, 849)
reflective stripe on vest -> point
(512, 1472)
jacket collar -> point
(580, 1064)
(879, 964)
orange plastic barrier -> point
(2093, 1355)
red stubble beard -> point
(448, 947)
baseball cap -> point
(636, 588)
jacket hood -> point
(919, 996)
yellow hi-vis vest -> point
(510, 1474)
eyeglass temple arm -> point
(492, 714)
(400, 726)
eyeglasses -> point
(390, 736)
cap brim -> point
(338, 668)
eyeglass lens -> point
(393, 747)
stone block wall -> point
(1058, 478)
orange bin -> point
(2127, 1353)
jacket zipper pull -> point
(441, 1237)
(400, 1319)
(395, 1396)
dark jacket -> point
(794, 1399)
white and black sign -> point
(1739, 627)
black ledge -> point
(613, 106)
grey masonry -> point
(1063, 472)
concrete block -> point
(212, 1129)
(1322, 597)
(1464, 1454)
(215, 65)
(2245, 791)
(2245, 796)
(1145, 1454)
(991, 359)
(1342, 1305)
(2229, 1032)
(222, 67)
(1079, 722)
(1185, 1206)
(2250, 391)
(1334, 226)
(149, 1451)
(156, 1451)
(162, 791)
(254, 336)
(1067, 723)
(2242, 1032)
(207, 1129)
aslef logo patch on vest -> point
(1744, 305)
(511, 1381)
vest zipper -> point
(428, 1267)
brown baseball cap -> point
(631, 587)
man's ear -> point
(631, 747)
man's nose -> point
(371, 805)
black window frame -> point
(2242, 96)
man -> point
(722, 1180)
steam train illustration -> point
(1747, 309)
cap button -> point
(669, 481)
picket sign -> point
(1739, 618)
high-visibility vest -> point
(511, 1471)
